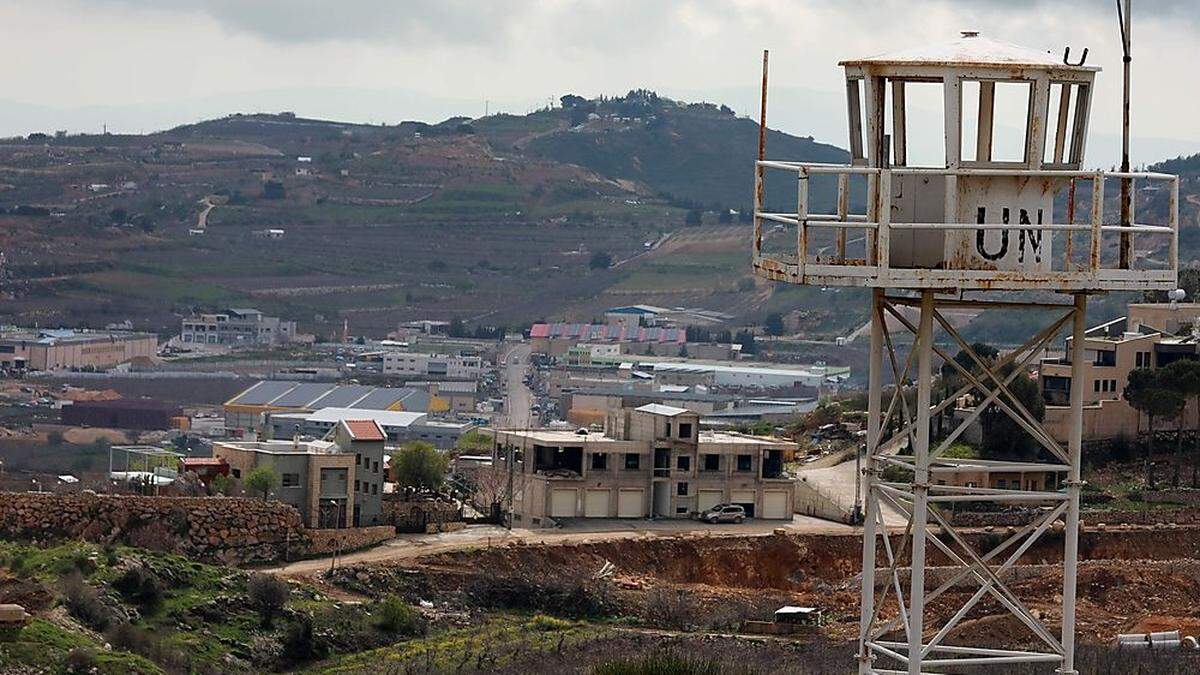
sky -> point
(144, 65)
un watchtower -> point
(966, 189)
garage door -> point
(595, 504)
(775, 504)
(629, 503)
(562, 503)
(745, 499)
(706, 499)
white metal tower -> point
(992, 209)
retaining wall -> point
(216, 529)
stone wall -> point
(415, 515)
(216, 529)
(1181, 516)
(347, 539)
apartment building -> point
(652, 461)
(417, 364)
(1111, 350)
(333, 482)
(67, 349)
(238, 326)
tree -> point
(725, 216)
(420, 466)
(1184, 378)
(693, 217)
(1003, 437)
(269, 595)
(774, 324)
(456, 328)
(262, 480)
(1149, 394)
(273, 189)
(601, 260)
(746, 339)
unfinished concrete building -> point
(651, 461)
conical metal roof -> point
(970, 49)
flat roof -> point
(52, 336)
(557, 436)
(970, 49)
(729, 438)
(660, 409)
(662, 395)
(283, 447)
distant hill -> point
(697, 154)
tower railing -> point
(1078, 265)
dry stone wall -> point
(216, 529)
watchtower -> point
(966, 179)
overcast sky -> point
(142, 65)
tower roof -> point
(970, 49)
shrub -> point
(84, 602)
(140, 586)
(80, 660)
(397, 617)
(127, 637)
(268, 595)
(299, 642)
(547, 623)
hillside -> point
(697, 153)
(494, 220)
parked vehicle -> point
(724, 513)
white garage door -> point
(775, 504)
(562, 503)
(707, 499)
(746, 498)
(595, 504)
(629, 503)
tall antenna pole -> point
(1125, 16)
(762, 154)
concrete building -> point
(398, 426)
(244, 413)
(556, 339)
(334, 482)
(460, 396)
(238, 326)
(591, 405)
(652, 461)
(64, 349)
(418, 364)
(1113, 350)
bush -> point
(300, 643)
(547, 623)
(84, 602)
(567, 595)
(80, 660)
(397, 617)
(140, 586)
(127, 637)
(268, 595)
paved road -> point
(517, 397)
(410, 546)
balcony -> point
(896, 243)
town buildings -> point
(237, 327)
(652, 461)
(398, 426)
(67, 349)
(244, 413)
(333, 482)
(418, 364)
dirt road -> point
(410, 546)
